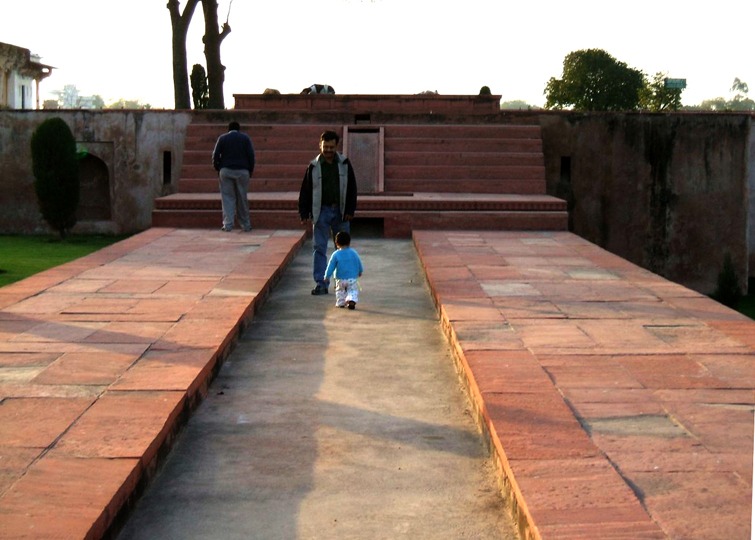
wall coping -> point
(369, 103)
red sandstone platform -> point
(619, 405)
(101, 361)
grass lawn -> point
(23, 256)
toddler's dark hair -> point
(343, 238)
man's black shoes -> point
(319, 290)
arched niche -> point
(94, 197)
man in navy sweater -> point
(233, 157)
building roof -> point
(21, 60)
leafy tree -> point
(56, 172)
(739, 102)
(593, 80)
(656, 97)
(212, 40)
(516, 104)
(128, 104)
(69, 97)
(180, 26)
(199, 91)
(485, 91)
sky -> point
(122, 48)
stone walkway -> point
(617, 404)
(334, 424)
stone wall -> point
(670, 192)
(138, 153)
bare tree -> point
(180, 26)
(212, 40)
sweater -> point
(345, 264)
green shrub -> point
(56, 172)
(728, 291)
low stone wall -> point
(673, 193)
(134, 157)
(363, 106)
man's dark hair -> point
(329, 136)
(234, 126)
(343, 238)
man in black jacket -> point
(328, 198)
(233, 157)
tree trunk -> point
(180, 26)
(212, 40)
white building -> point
(20, 75)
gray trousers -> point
(234, 184)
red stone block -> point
(185, 370)
(62, 497)
(38, 422)
(123, 425)
(86, 368)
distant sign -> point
(675, 83)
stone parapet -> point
(371, 103)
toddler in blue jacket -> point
(346, 265)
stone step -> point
(512, 186)
(485, 131)
(300, 158)
(263, 156)
(377, 202)
(469, 158)
(464, 184)
(478, 176)
(258, 183)
(508, 131)
(396, 223)
(444, 144)
(277, 170)
(202, 136)
(418, 171)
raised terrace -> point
(616, 404)
(422, 162)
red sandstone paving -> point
(660, 377)
(527, 308)
(230, 309)
(62, 497)
(100, 368)
(168, 370)
(13, 359)
(38, 422)
(13, 463)
(80, 286)
(196, 334)
(697, 493)
(481, 309)
(70, 448)
(104, 431)
(147, 286)
(58, 331)
(130, 332)
(507, 371)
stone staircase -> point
(411, 176)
